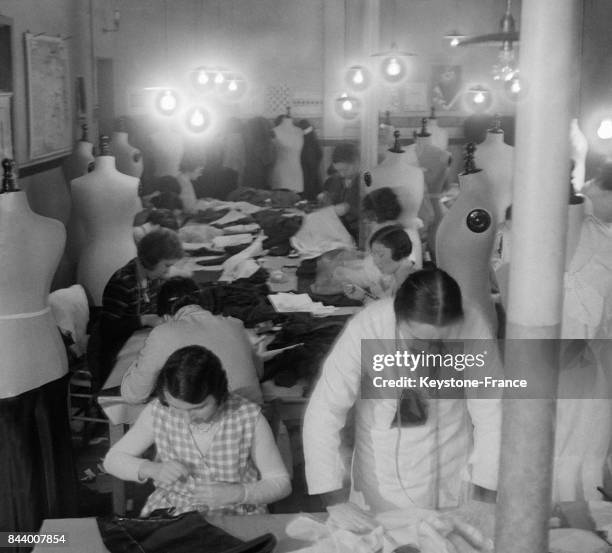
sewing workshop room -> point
(311, 276)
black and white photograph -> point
(306, 276)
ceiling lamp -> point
(167, 101)
(454, 37)
(347, 107)
(604, 131)
(197, 119)
(202, 79)
(507, 35)
(515, 87)
(393, 67)
(358, 78)
(234, 87)
(478, 99)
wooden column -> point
(539, 221)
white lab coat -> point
(460, 440)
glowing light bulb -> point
(479, 97)
(358, 77)
(232, 86)
(197, 118)
(219, 78)
(515, 87)
(347, 105)
(454, 42)
(393, 68)
(605, 129)
(168, 101)
(203, 77)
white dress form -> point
(287, 171)
(167, 151)
(407, 181)
(439, 136)
(79, 161)
(464, 252)
(127, 158)
(30, 248)
(105, 201)
(496, 159)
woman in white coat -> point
(423, 463)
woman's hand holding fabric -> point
(220, 494)
(167, 472)
(353, 292)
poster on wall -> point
(48, 93)
(6, 133)
(446, 87)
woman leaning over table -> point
(215, 449)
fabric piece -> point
(336, 191)
(328, 278)
(187, 533)
(198, 233)
(278, 230)
(321, 231)
(228, 459)
(71, 313)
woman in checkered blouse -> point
(215, 450)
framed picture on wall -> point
(446, 88)
(49, 96)
(6, 128)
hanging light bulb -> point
(197, 119)
(393, 68)
(219, 77)
(478, 99)
(347, 106)
(202, 79)
(515, 87)
(358, 78)
(604, 130)
(454, 42)
(232, 86)
(167, 102)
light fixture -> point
(167, 101)
(202, 79)
(348, 107)
(358, 78)
(478, 99)
(233, 88)
(197, 119)
(393, 67)
(454, 37)
(604, 131)
(515, 87)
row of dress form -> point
(37, 473)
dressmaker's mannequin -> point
(81, 158)
(496, 158)
(167, 150)
(105, 201)
(434, 162)
(465, 237)
(287, 170)
(385, 137)
(127, 158)
(33, 422)
(406, 180)
(439, 136)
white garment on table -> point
(376, 462)
(71, 313)
(187, 195)
(321, 231)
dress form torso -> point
(287, 170)
(439, 136)
(79, 161)
(465, 252)
(496, 158)
(105, 201)
(128, 159)
(30, 248)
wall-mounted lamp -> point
(116, 21)
(454, 38)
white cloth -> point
(382, 452)
(192, 325)
(187, 195)
(71, 313)
(321, 231)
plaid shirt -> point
(228, 460)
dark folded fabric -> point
(208, 215)
(216, 260)
(204, 251)
(186, 533)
